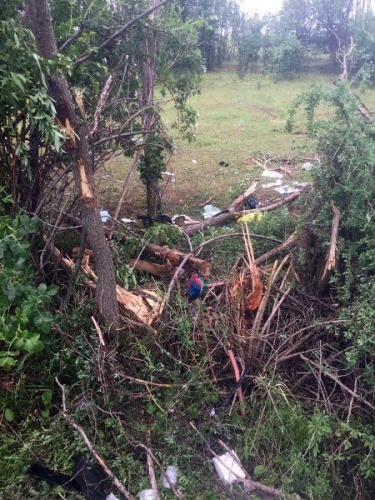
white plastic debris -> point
(210, 211)
(171, 176)
(229, 468)
(194, 161)
(272, 174)
(148, 495)
(172, 473)
(111, 496)
(269, 185)
(127, 221)
(290, 188)
(104, 215)
(307, 166)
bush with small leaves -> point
(24, 319)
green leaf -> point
(52, 290)
(259, 469)
(58, 139)
(7, 363)
(47, 397)
(33, 343)
(9, 415)
(17, 80)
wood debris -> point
(144, 305)
(174, 258)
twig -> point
(291, 241)
(207, 201)
(198, 249)
(126, 184)
(71, 39)
(338, 382)
(100, 334)
(150, 465)
(137, 444)
(237, 376)
(116, 482)
(351, 402)
(174, 280)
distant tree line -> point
(286, 42)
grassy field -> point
(238, 120)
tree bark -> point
(38, 18)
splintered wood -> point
(329, 262)
(144, 305)
(255, 297)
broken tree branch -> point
(116, 482)
(291, 241)
(102, 101)
(174, 257)
(329, 262)
(237, 377)
(229, 215)
(148, 267)
(239, 201)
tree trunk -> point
(148, 116)
(152, 195)
(38, 18)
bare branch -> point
(338, 382)
(102, 101)
(116, 482)
(85, 57)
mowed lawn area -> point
(238, 120)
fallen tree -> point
(234, 211)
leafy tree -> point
(100, 94)
(215, 20)
(326, 24)
(26, 116)
(364, 47)
(287, 56)
(247, 36)
(38, 18)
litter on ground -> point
(290, 188)
(272, 174)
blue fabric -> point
(194, 286)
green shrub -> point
(24, 320)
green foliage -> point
(345, 144)
(287, 56)
(360, 330)
(152, 161)
(24, 320)
(300, 447)
(163, 234)
(248, 38)
(26, 111)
